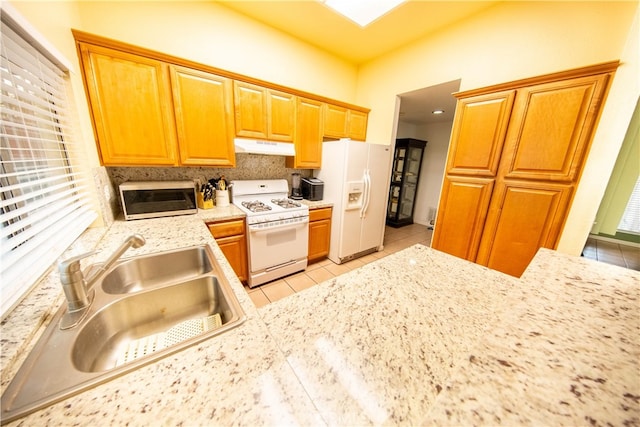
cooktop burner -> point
(286, 203)
(256, 206)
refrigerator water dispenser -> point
(355, 190)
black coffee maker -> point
(296, 190)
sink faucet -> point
(76, 287)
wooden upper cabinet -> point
(357, 125)
(461, 215)
(479, 130)
(264, 113)
(342, 122)
(552, 128)
(130, 101)
(281, 116)
(149, 108)
(251, 110)
(203, 104)
(335, 121)
(308, 140)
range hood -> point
(255, 146)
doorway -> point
(420, 118)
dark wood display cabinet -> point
(404, 181)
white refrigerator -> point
(356, 181)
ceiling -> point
(417, 107)
(316, 24)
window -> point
(44, 204)
(630, 222)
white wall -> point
(608, 139)
(506, 42)
(200, 31)
(515, 40)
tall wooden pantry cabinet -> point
(517, 151)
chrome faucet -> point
(77, 288)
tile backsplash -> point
(248, 166)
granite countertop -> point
(418, 337)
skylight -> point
(362, 12)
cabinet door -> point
(357, 123)
(130, 101)
(478, 135)
(250, 110)
(235, 250)
(477, 139)
(319, 233)
(231, 238)
(461, 215)
(523, 217)
(203, 105)
(319, 237)
(308, 138)
(551, 129)
(335, 121)
(281, 116)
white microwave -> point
(152, 199)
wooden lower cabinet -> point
(524, 217)
(319, 234)
(231, 238)
(460, 230)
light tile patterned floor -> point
(395, 239)
(613, 253)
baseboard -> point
(612, 240)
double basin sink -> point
(144, 308)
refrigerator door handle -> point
(367, 193)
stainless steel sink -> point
(148, 271)
(130, 323)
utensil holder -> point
(222, 198)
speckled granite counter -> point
(376, 345)
(418, 337)
(566, 352)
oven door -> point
(270, 247)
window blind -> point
(45, 202)
(630, 221)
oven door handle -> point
(279, 227)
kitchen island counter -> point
(416, 337)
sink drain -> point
(177, 334)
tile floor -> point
(395, 239)
(612, 253)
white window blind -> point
(44, 205)
(630, 222)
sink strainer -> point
(181, 332)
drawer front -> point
(318, 214)
(227, 228)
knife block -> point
(202, 203)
